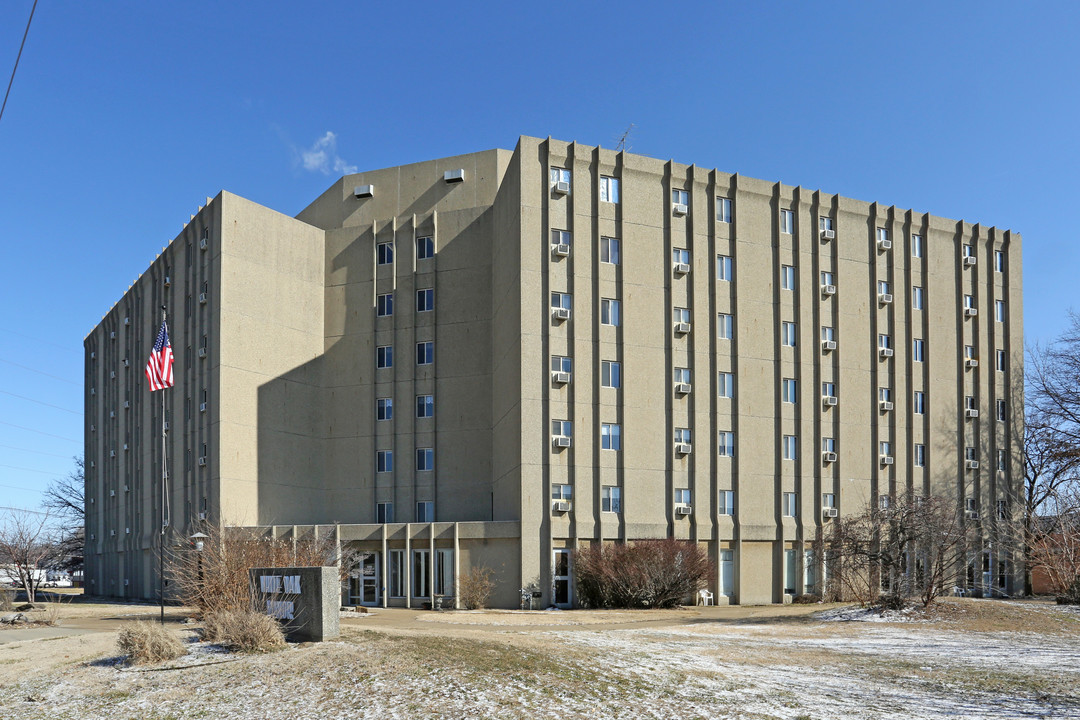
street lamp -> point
(198, 541)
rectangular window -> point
(826, 278)
(609, 189)
(883, 287)
(1002, 510)
(725, 326)
(425, 300)
(562, 428)
(425, 248)
(384, 512)
(560, 363)
(828, 389)
(790, 504)
(397, 573)
(827, 334)
(1000, 360)
(384, 461)
(885, 448)
(384, 409)
(609, 250)
(726, 443)
(727, 502)
(787, 277)
(611, 499)
(828, 500)
(610, 374)
(968, 251)
(999, 261)
(562, 492)
(680, 315)
(1001, 410)
(969, 352)
(723, 209)
(425, 353)
(917, 348)
(999, 310)
(884, 394)
(425, 459)
(420, 573)
(919, 403)
(787, 221)
(969, 301)
(884, 341)
(560, 237)
(917, 246)
(920, 455)
(916, 297)
(969, 403)
(384, 253)
(1001, 459)
(680, 375)
(828, 444)
(682, 496)
(882, 235)
(609, 312)
(561, 301)
(680, 197)
(610, 436)
(791, 447)
(560, 175)
(788, 390)
(384, 356)
(725, 385)
(680, 256)
(384, 305)
(425, 406)
(826, 223)
(724, 268)
(682, 435)
(788, 334)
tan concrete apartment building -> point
(489, 359)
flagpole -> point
(164, 491)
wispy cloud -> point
(323, 157)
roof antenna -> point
(621, 146)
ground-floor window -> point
(727, 572)
(444, 573)
(397, 573)
(810, 579)
(790, 566)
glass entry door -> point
(364, 585)
(561, 579)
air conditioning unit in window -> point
(202, 516)
(886, 405)
(112, 453)
(168, 281)
(829, 457)
(679, 208)
(202, 407)
(971, 413)
(93, 391)
(127, 404)
(112, 374)
(202, 352)
(885, 298)
(562, 250)
(560, 378)
(204, 243)
(202, 298)
(93, 354)
(970, 312)
(683, 448)
(112, 334)
(93, 427)
(112, 533)
(560, 441)
(885, 352)
(561, 188)
(884, 244)
(684, 510)
(828, 289)
(127, 321)
(560, 313)
(828, 345)
(682, 268)
(970, 260)
(165, 426)
(560, 506)
(126, 447)
(971, 464)
(683, 388)
(971, 363)
(112, 413)
(93, 536)
(971, 514)
(363, 191)
(202, 461)
(127, 363)
(828, 234)
(112, 493)
(127, 531)
(454, 176)
(830, 512)
(886, 459)
(830, 400)
(682, 328)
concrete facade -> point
(701, 317)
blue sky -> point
(125, 116)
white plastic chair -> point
(704, 597)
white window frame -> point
(788, 334)
(918, 350)
(680, 256)
(384, 409)
(787, 221)
(384, 461)
(723, 209)
(725, 443)
(681, 375)
(828, 388)
(610, 374)
(726, 502)
(425, 299)
(610, 311)
(611, 436)
(562, 363)
(561, 237)
(790, 504)
(425, 352)
(790, 447)
(611, 499)
(384, 513)
(425, 247)
(999, 261)
(683, 496)
(787, 277)
(684, 435)
(789, 390)
(917, 297)
(680, 197)
(999, 310)
(725, 385)
(725, 326)
(425, 459)
(384, 253)
(562, 428)
(425, 406)
(1001, 360)
(384, 357)
(725, 268)
(609, 189)
(560, 174)
(561, 301)
(384, 305)
(918, 402)
(917, 246)
(610, 250)
(919, 458)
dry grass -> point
(147, 642)
(474, 588)
(243, 630)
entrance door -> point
(364, 588)
(561, 579)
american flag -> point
(159, 367)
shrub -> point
(148, 642)
(7, 600)
(645, 574)
(806, 599)
(474, 589)
(243, 630)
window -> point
(1002, 510)
(680, 197)
(682, 436)
(790, 504)
(425, 353)
(787, 221)
(680, 375)
(561, 301)
(723, 209)
(828, 500)
(562, 428)
(969, 301)
(384, 253)
(969, 352)
(787, 277)
(787, 334)
(1000, 360)
(425, 511)
(680, 315)
(726, 443)
(397, 573)
(1001, 459)
(917, 246)
(610, 499)
(384, 461)
(826, 278)
(919, 403)
(788, 390)
(559, 175)
(917, 350)
(884, 394)
(883, 502)
(609, 250)
(682, 496)
(425, 459)
(883, 287)
(610, 436)
(679, 256)
(425, 300)
(384, 356)
(727, 502)
(609, 189)
(916, 297)
(828, 389)
(920, 455)
(999, 261)
(791, 447)
(724, 270)
(969, 453)
(384, 409)
(609, 312)
(425, 248)
(885, 448)
(969, 403)
(1001, 410)
(425, 406)
(384, 512)
(725, 384)
(828, 444)
(560, 363)
(725, 326)
(560, 237)
(610, 374)
(825, 223)
(884, 341)
(827, 334)
(968, 251)
(882, 235)
(562, 492)
(384, 305)
(999, 310)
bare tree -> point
(65, 498)
(27, 546)
(1055, 543)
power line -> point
(34, 512)
(39, 372)
(43, 472)
(39, 432)
(40, 402)
(17, 487)
(35, 452)
(17, 57)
